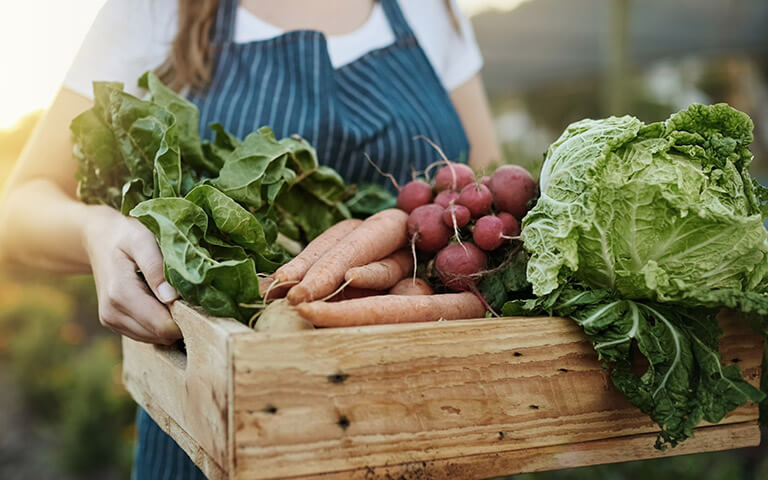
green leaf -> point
(664, 212)
(180, 227)
(242, 176)
(685, 381)
(187, 119)
(507, 281)
(369, 199)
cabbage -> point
(665, 212)
(641, 234)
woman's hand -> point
(118, 247)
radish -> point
(512, 187)
(488, 233)
(414, 194)
(426, 228)
(511, 225)
(457, 265)
(486, 180)
(477, 198)
(453, 176)
(446, 197)
(456, 216)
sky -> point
(39, 39)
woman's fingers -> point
(140, 245)
(122, 324)
(124, 294)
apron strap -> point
(397, 21)
(224, 29)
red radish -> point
(511, 225)
(426, 228)
(459, 212)
(477, 198)
(488, 233)
(513, 187)
(454, 176)
(414, 194)
(456, 265)
(446, 197)
(486, 180)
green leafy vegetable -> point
(685, 381)
(666, 212)
(216, 207)
(642, 233)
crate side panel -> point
(598, 452)
(350, 398)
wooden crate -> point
(455, 400)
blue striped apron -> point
(376, 105)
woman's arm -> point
(43, 226)
(471, 103)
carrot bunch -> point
(358, 273)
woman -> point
(351, 76)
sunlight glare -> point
(38, 41)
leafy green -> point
(666, 212)
(215, 207)
(685, 381)
(369, 199)
(506, 281)
(641, 234)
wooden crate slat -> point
(427, 391)
(192, 390)
(442, 400)
(476, 467)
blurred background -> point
(63, 411)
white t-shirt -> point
(130, 37)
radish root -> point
(482, 299)
(335, 292)
(381, 172)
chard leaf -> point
(181, 228)
(685, 381)
(187, 119)
(507, 281)
(369, 199)
(243, 175)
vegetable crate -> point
(461, 399)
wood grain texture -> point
(460, 399)
(335, 400)
(623, 449)
(190, 392)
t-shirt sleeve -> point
(127, 38)
(453, 51)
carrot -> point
(349, 293)
(411, 286)
(275, 291)
(378, 236)
(295, 270)
(383, 309)
(382, 274)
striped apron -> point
(376, 105)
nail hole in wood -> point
(271, 409)
(501, 435)
(517, 354)
(564, 370)
(735, 360)
(533, 407)
(343, 422)
(338, 377)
